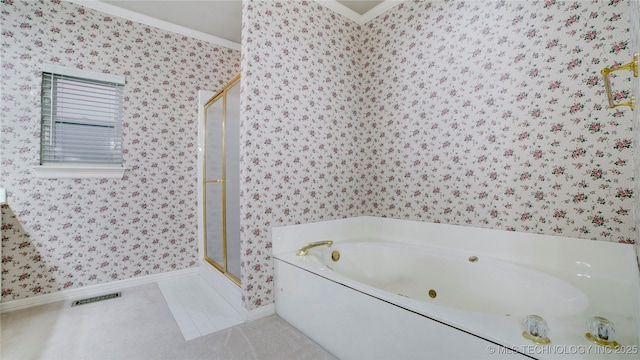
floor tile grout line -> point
(211, 304)
(195, 312)
(217, 306)
(198, 307)
(186, 295)
(187, 328)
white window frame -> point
(80, 169)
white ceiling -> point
(220, 18)
(217, 18)
(360, 6)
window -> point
(82, 115)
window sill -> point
(73, 171)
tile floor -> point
(197, 308)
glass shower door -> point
(222, 180)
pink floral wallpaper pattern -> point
(300, 143)
(493, 114)
(68, 233)
(480, 113)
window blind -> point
(81, 120)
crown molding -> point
(354, 16)
(342, 10)
(379, 10)
(165, 25)
(160, 24)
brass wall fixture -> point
(305, 249)
(473, 259)
(432, 294)
(632, 66)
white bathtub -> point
(374, 301)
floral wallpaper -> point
(481, 113)
(68, 233)
(299, 134)
(493, 114)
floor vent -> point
(96, 298)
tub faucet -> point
(305, 249)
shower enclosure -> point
(221, 180)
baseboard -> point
(261, 312)
(88, 291)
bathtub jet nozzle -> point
(305, 249)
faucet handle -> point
(602, 332)
(536, 329)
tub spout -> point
(305, 249)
